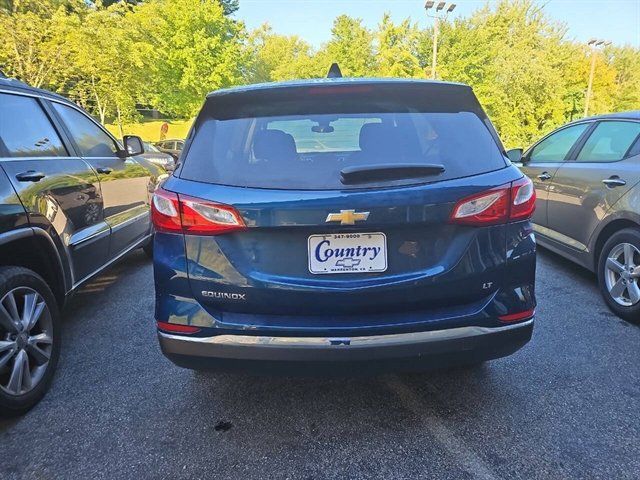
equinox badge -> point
(347, 217)
(224, 295)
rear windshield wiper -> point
(390, 171)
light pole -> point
(594, 43)
(441, 11)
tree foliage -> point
(397, 49)
(113, 56)
(279, 57)
(351, 45)
(194, 49)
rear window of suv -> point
(303, 141)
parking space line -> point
(467, 459)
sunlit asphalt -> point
(567, 406)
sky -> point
(614, 20)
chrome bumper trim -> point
(345, 342)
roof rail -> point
(334, 71)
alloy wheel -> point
(622, 271)
(26, 340)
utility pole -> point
(594, 43)
(441, 13)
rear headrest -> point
(373, 136)
(274, 145)
(619, 144)
(379, 139)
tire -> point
(148, 249)
(619, 272)
(37, 347)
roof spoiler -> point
(334, 71)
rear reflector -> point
(174, 328)
(514, 317)
(175, 213)
(510, 202)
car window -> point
(25, 130)
(309, 152)
(344, 138)
(149, 147)
(555, 147)
(609, 142)
(91, 139)
(179, 145)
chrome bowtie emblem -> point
(347, 217)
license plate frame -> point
(349, 252)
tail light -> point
(523, 194)
(175, 213)
(507, 203)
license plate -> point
(348, 253)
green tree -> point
(397, 54)
(625, 61)
(33, 42)
(280, 57)
(109, 63)
(517, 61)
(194, 49)
(351, 45)
(230, 6)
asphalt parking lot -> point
(567, 406)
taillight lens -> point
(175, 213)
(510, 202)
(484, 208)
(524, 199)
(165, 211)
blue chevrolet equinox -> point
(343, 225)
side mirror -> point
(515, 155)
(133, 145)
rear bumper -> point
(405, 351)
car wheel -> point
(619, 273)
(29, 339)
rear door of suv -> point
(124, 183)
(59, 190)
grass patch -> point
(150, 130)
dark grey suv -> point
(73, 200)
(587, 178)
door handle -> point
(544, 176)
(104, 170)
(30, 176)
(614, 181)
